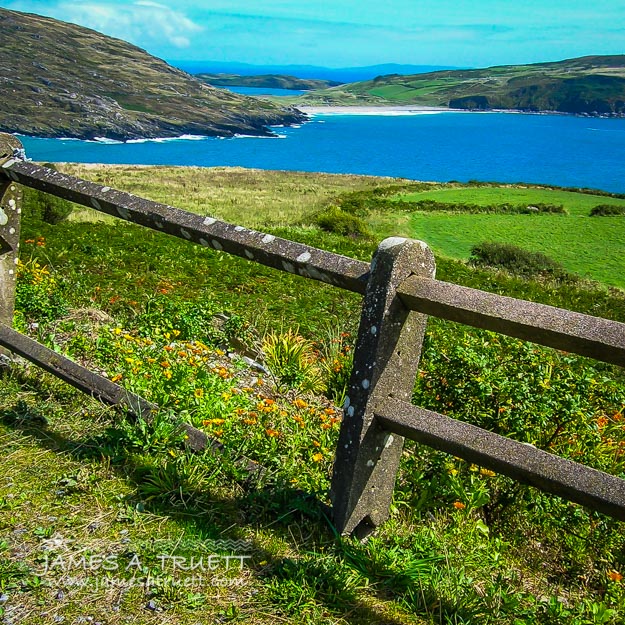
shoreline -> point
(414, 109)
(404, 109)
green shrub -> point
(463, 207)
(338, 221)
(607, 210)
(37, 293)
(181, 319)
(517, 261)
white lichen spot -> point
(239, 228)
(204, 242)
(209, 221)
(123, 212)
(370, 463)
(303, 258)
(12, 187)
(4, 218)
(350, 411)
(16, 261)
(217, 245)
(288, 267)
(106, 189)
(249, 254)
(11, 230)
(365, 384)
(347, 402)
(374, 330)
(268, 238)
(11, 272)
(346, 446)
(12, 204)
(95, 204)
(389, 441)
(185, 234)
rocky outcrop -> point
(62, 80)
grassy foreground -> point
(105, 520)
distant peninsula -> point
(63, 80)
(591, 85)
(270, 81)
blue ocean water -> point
(550, 149)
(256, 91)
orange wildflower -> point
(272, 433)
(615, 576)
(458, 505)
(300, 403)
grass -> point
(583, 245)
(461, 545)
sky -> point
(353, 33)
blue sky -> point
(343, 33)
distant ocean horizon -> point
(557, 150)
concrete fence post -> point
(10, 211)
(386, 360)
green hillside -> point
(69, 81)
(593, 85)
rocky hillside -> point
(592, 85)
(62, 80)
(271, 81)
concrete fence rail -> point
(400, 292)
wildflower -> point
(199, 392)
(250, 421)
(165, 364)
(615, 576)
(453, 472)
(117, 331)
(167, 374)
(316, 444)
(272, 433)
(226, 396)
(602, 422)
(458, 505)
(29, 241)
(300, 403)
(218, 433)
(317, 457)
(487, 472)
(116, 378)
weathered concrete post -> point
(10, 210)
(386, 360)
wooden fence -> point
(400, 291)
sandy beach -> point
(374, 110)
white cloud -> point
(145, 23)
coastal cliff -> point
(62, 80)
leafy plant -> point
(293, 360)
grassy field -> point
(591, 247)
(94, 508)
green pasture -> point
(592, 247)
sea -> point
(559, 150)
